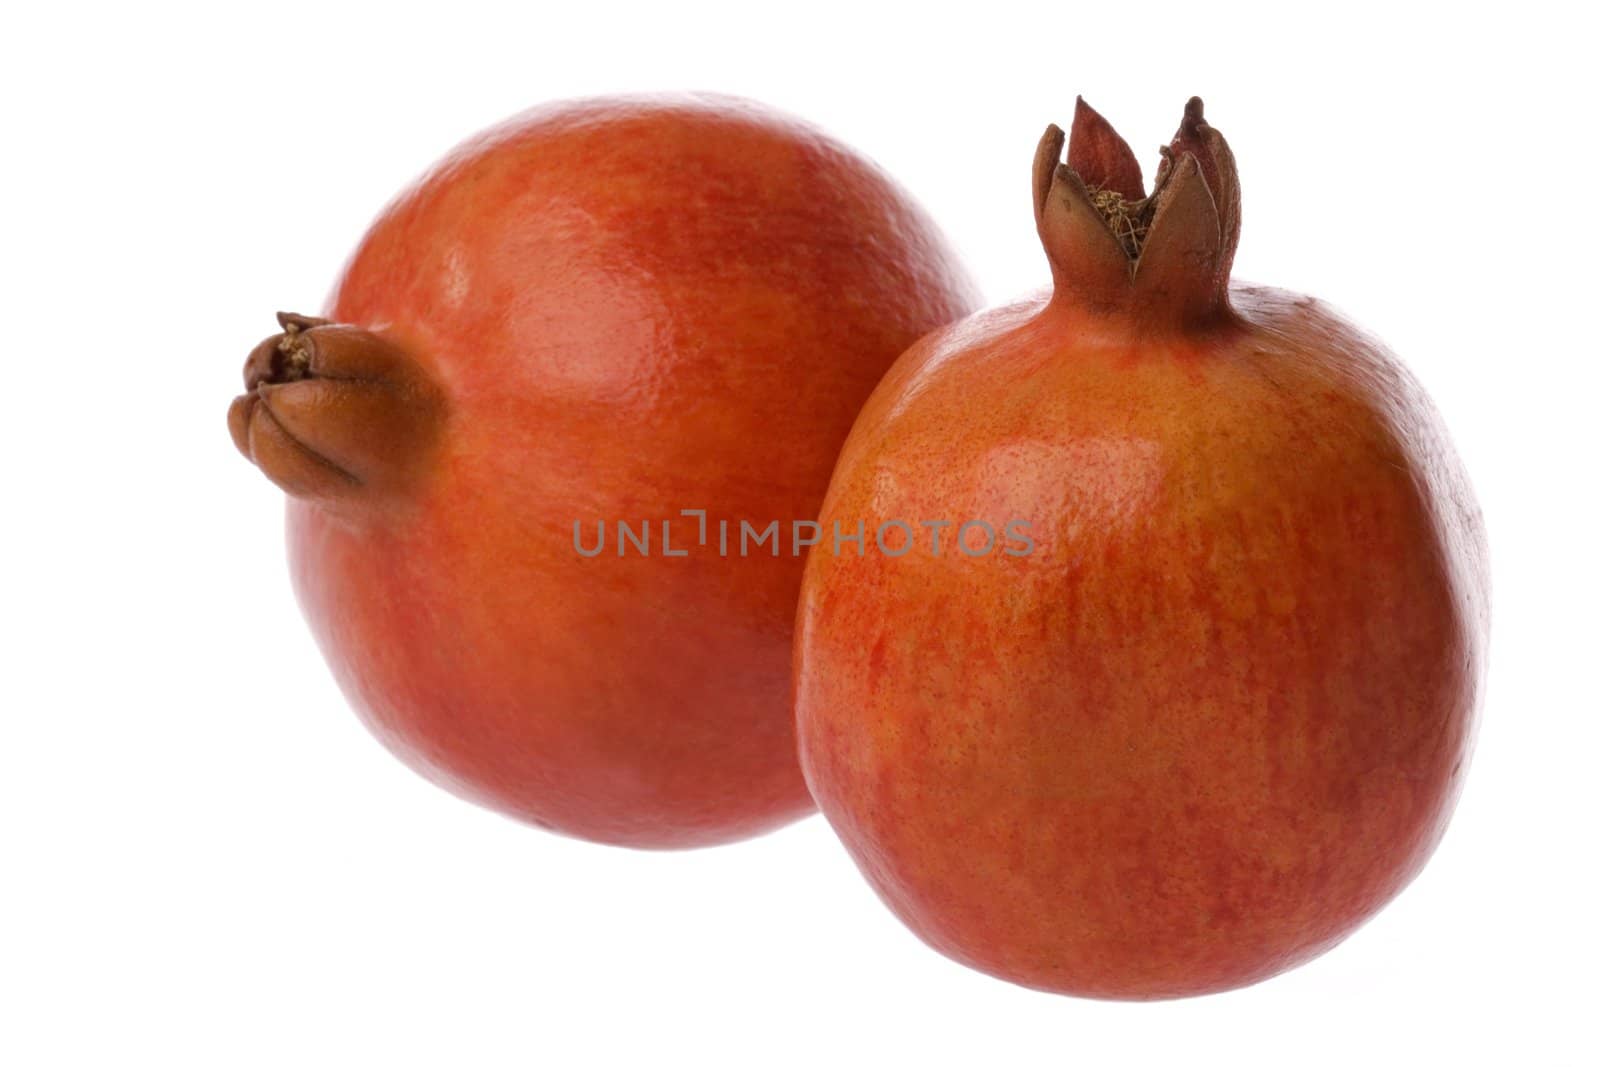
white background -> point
(206, 859)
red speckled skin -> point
(1218, 717)
(633, 306)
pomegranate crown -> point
(1112, 249)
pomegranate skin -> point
(1218, 716)
(632, 306)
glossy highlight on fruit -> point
(613, 310)
(1220, 715)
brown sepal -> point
(1199, 139)
(1101, 157)
(1178, 266)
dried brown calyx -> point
(1112, 249)
(331, 411)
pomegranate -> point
(606, 312)
(1208, 707)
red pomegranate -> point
(610, 311)
(1198, 700)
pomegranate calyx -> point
(330, 409)
(1102, 234)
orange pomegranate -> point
(1209, 708)
(615, 310)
